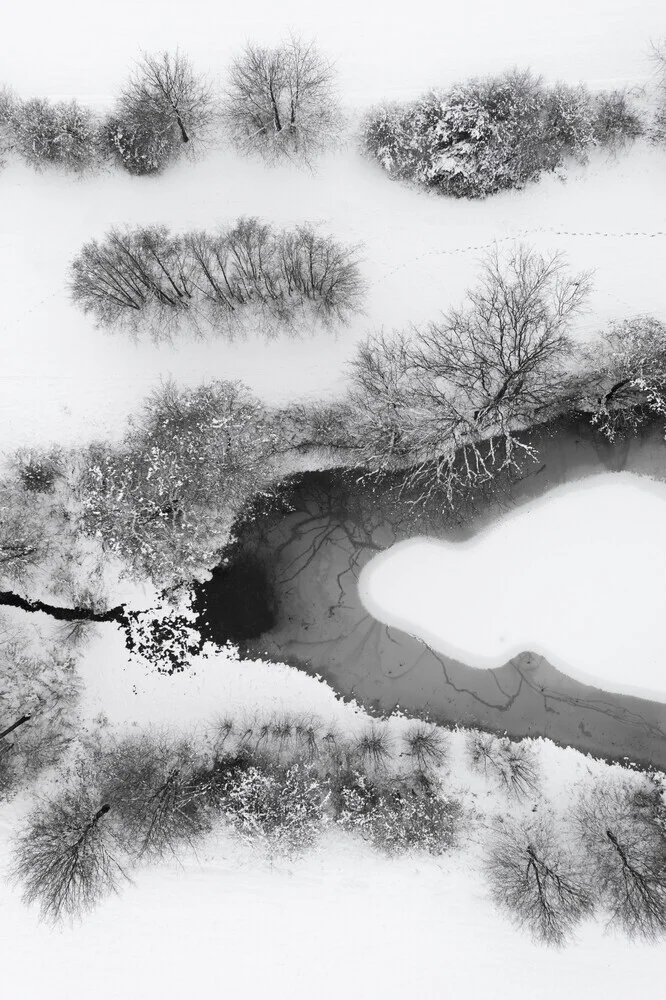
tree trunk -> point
(15, 725)
(9, 599)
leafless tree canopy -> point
(65, 858)
(280, 101)
(626, 852)
(489, 369)
(150, 278)
(542, 886)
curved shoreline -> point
(306, 611)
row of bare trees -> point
(610, 852)
(148, 278)
(277, 102)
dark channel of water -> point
(288, 592)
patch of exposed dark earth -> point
(288, 592)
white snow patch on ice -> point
(576, 576)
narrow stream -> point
(289, 593)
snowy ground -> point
(342, 922)
(572, 576)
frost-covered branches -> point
(625, 376)
(543, 886)
(451, 396)
(495, 133)
(164, 499)
(148, 278)
(47, 132)
(280, 102)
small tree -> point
(542, 886)
(624, 376)
(66, 858)
(166, 90)
(280, 102)
(626, 853)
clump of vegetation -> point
(165, 497)
(46, 133)
(425, 746)
(624, 376)
(495, 133)
(149, 279)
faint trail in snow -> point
(543, 230)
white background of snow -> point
(343, 922)
(574, 576)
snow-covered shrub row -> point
(275, 783)
(150, 279)
(495, 133)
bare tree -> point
(513, 765)
(149, 779)
(66, 857)
(451, 397)
(626, 852)
(166, 87)
(425, 745)
(624, 380)
(542, 886)
(281, 102)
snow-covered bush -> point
(37, 470)
(624, 376)
(283, 808)
(47, 132)
(165, 497)
(139, 141)
(492, 134)
(148, 278)
(396, 814)
(542, 885)
(626, 853)
(616, 121)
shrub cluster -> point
(45, 133)
(276, 783)
(495, 133)
(513, 765)
(148, 278)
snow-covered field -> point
(571, 576)
(343, 921)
